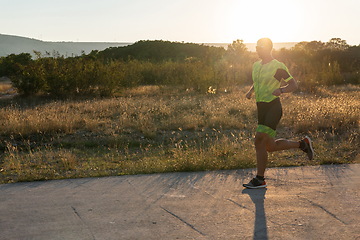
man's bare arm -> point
(249, 93)
(290, 87)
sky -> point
(198, 21)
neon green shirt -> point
(267, 78)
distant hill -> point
(159, 50)
(14, 44)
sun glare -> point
(279, 20)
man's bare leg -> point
(264, 144)
(273, 145)
(261, 152)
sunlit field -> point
(5, 87)
(152, 129)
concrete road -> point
(318, 202)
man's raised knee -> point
(270, 148)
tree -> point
(237, 46)
(237, 51)
(11, 64)
(309, 46)
(315, 46)
(337, 44)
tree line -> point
(189, 65)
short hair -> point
(265, 43)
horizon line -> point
(180, 41)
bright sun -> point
(278, 20)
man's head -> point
(264, 47)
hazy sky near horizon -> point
(197, 21)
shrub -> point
(30, 79)
(9, 66)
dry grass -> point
(136, 112)
(159, 129)
(5, 86)
(330, 109)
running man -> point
(267, 75)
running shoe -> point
(255, 183)
(308, 148)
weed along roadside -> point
(152, 129)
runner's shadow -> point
(258, 196)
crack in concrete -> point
(79, 185)
(147, 197)
(238, 204)
(188, 224)
(324, 209)
(77, 214)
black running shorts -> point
(269, 115)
